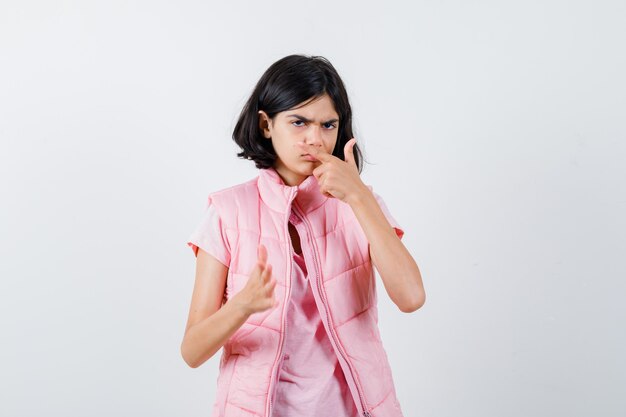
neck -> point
(290, 178)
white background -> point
(495, 132)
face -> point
(315, 122)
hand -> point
(337, 178)
(258, 294)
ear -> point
(264, 124)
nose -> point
(314, 136)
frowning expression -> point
(314, 122)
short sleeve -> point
(210, 237)
(399, 230)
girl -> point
(284, 271)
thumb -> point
(348, 152)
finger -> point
(348, 152)
(258, 269)
(272, 303)
(262, 254)
(319, 171)
(266, 274)
(316, 151)
(270, 287)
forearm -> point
(396, 266)
(206, 337)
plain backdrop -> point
(494, 130)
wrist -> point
(239, 307)
(359, 197)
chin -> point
(302, 167)
(308, 170)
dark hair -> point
(288, 82)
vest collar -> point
(276, 194)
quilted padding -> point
(336, 254)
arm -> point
(208, 325)
(397, 268)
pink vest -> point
(336, 253)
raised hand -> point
(258, 294)
(337, 178)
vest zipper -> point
(278, 360)
(277, 373)
(330, 327)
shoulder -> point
(227, 201)
(227, 193)
(234, 189)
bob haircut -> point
(288, 82)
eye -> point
(326, 125)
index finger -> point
(316, 151)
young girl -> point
(284, 274)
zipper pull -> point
(293, 219)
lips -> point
(309, 157)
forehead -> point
(321, 108)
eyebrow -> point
(304, 119)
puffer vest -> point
(336, 254)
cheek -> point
(331, 141)
(284, 145)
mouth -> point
(308, 157)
